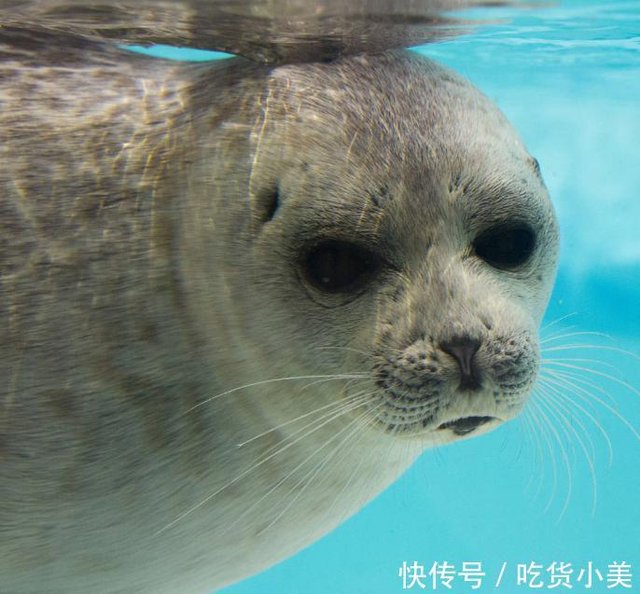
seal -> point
(239, 300)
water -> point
(568, 77)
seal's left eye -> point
(338, 266)
(506, 247)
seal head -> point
(397, 227)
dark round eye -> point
(506, 247)
(338, 266)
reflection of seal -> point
(365, 246)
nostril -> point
(463, 349)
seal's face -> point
(401, 231)
(430, 250)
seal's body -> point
(238, 300)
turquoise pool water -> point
(568, 77)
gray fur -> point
(143, 270)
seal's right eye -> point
(506, 247)
(338, 266)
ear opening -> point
(271, 204)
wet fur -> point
(144, 270)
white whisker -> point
(558, 385)
(573, 334)
(353, 401)
(555, 404)
(331, 407)
(282, 480)
(587, 396)
(534, 411)
(581, 380)
(263, 459)
(558, 320)
(592, 347)
(611, 378)
(349, 349)
(338, 496)
(325, 380)
(538, 455)
(565, 458)
(575, 360)
(275, 380)
(310, 476)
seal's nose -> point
(463, 349)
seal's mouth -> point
(465, 425)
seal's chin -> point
(467, 425)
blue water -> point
(568, 77)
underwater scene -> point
(267, 328)
(550, 500)
(560, 484)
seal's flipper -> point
(270, 31)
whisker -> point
(282, 480)
(356, 375)
(263, 459)
(350, 349)
(538, 453)
(574, 334)
(412, 450)
(564, 457)
(319, 467)
(338, 496)
(322, 381)
(579, 379)
(353, 401)
(560, 409)
(332, 406)
(558, 386)
(534, 410)
(559, 432)
(597, 347)
(558, 320)
(558, 360)
(596, 372)
(566, 405)
(586, 395)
